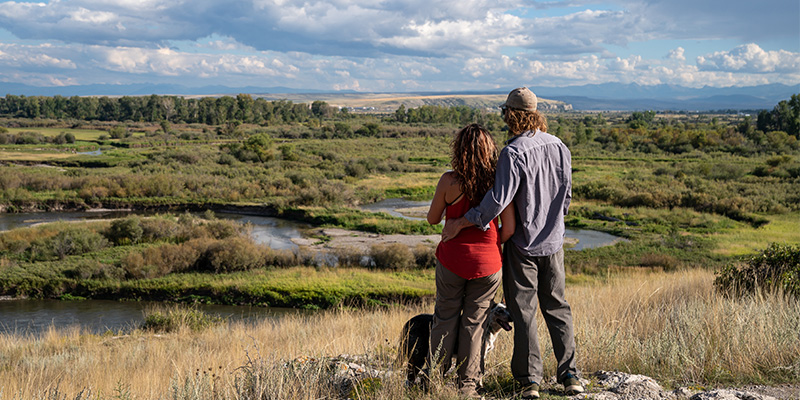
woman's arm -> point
(444, 189)
(509, 222)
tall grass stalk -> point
(675, 327)
(671, 326)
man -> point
(534, 171)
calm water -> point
(98, 316)
(587, 239)
(275, 232)
(391, 207)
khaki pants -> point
(459, 317)
(530, 282)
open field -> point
(671, 326)
(80, 134)
(34, 156)
(389, 102)
(783, 228)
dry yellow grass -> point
(672, 326)
(408, 180)
(33, 156)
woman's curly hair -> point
(474, 159)
(519, 121)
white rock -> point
(727, 394)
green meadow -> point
(693, 196)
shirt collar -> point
(526, 134)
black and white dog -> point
(415, 338)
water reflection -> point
(279, 233)
(10, 221)
(274, 232)
(416, 210)
(408, 209)
(588, 239)
(98, 316)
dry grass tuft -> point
(672, 326)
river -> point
(280, 233)
(23, 317)
(98, 316)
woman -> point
(468, 268)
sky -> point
(398, 46)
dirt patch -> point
(337, 239)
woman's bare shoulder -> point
(449, 177)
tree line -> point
(784, 117)
(154, 108)
(212, 111)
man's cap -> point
(521, 99)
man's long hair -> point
(519, 121)
(474, 159)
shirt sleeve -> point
(568, 179)
(506, 182)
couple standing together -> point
(529, 186)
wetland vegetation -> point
(694, 194)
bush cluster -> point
(176, 318)
(30, 137)
(776, 268)
(399, 257)
(50, 245)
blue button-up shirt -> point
(534, 171)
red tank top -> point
(473, 253)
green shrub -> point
(136, 266)
(280, 258)
(73, 241)
(70, 240)
(393, 256)
(159, 228)
(222, 229)
(425, 256)
(178, 257)
(777, 267)
(125, 230)
(654, 260)
(348, 257)
(176, 318)
(92, 269)
(235, 254)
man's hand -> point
(452, 227)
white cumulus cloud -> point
(752, 59)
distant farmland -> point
(389, 102)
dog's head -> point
(499, 318)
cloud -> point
(355, 28)
(744, 20)
(751, 58)
(36, 57)
(168, 62)
(365, 28)
(415, 44)
(677, 54)
(96, 22)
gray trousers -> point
(530, 281)
(459, 316)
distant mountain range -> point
(613, 96)
(608, 96)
